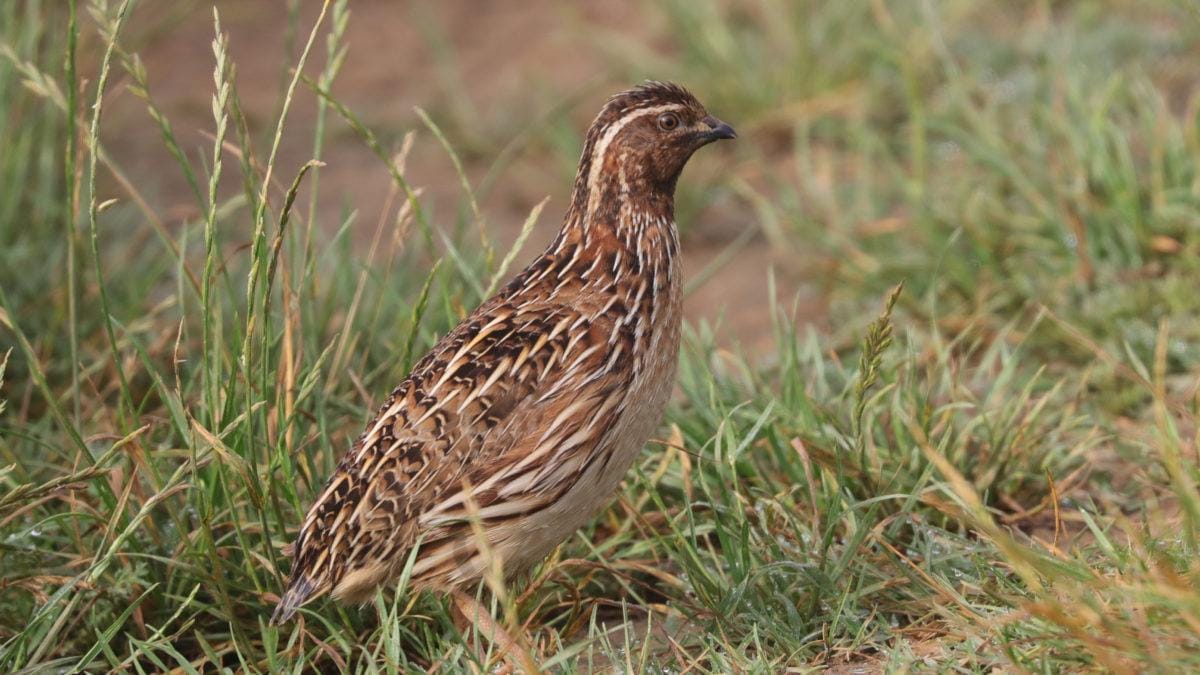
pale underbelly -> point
(522, 543)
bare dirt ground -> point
(503, 67)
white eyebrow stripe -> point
(602, 147)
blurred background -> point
(1004, 150)
(1027, 169)
(513, 88)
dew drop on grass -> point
(1006, 90)
(947, 150)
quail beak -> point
(717, 129)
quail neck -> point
(519, 424)
(619, 234)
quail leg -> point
(514, 650)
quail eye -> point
(668, 121)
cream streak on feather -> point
(602, 148)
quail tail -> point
(297, 594)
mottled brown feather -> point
(526, 416)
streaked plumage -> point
(530, 411)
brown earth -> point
(490, 74)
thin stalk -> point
(258, 254)
(211, 363)
(72, 209)
(94, 203)
(335, 56)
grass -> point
(992, 468)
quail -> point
(520, 423)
